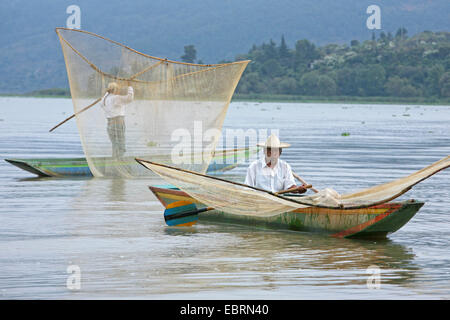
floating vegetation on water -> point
(152, 144)
(345, 134)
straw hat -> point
(273, 142)
(112, 87)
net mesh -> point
(240, 199)
(173, 115)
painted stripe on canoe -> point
(165, 195)
(315, 210)
(362, 226)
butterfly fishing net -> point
(240, 199)
(128, 104)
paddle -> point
(82, 110)
(182, 213)
(304, 182)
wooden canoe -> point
(223, 160)
(373, 222)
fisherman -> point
(114, 106)
(271, 173)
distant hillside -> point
(393, 65)
(31, 58)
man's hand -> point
(300, 189)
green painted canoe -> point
(223, 160)
(373, 222)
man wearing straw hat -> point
(114, 106)
(271, 173)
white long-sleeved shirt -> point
(114, 104)
(275, 179)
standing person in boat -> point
(271, 173)
(114, 106)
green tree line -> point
(392, 65)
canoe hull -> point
(75, 167)
(223, 160)
(373, 222)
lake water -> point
(114, 232)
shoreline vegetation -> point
(285, 98)
(388, 69)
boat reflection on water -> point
(289, 257)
